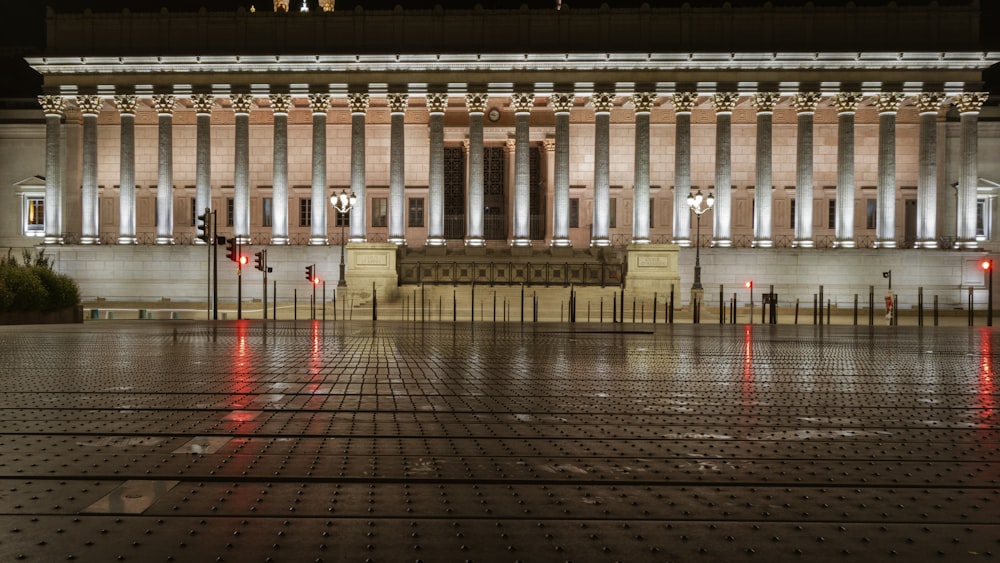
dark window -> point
(831, 212)
(305, 212)
(415, 217)
(267, 209)
(612, 212)
(230, 207)
(380, 212)
(791, 212)
(871, 213)
(574, 212)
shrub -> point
(33, 286)
(27, 290)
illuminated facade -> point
(518, 128)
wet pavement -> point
(390, 441)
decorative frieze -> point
(319, 103)
(930, 102)
(358, 102)
(725, 101)
(522, 101)
(643, 101)
(764, 101)
(242, 103)
(847, 102)
(603, 102)
(562, 103)
(280, 103)
(684, 101)
(970, 102)
(53, 105)
(127, 104)
(89, 105)
(164, 104)
(805, 102)
(476, 102)
(203, 103)
(888, 102)
(437, 102)
(398, 102)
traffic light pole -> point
(239, 281)
(264, 264)
(215, 265)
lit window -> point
(34, 215)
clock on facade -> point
(493, 114)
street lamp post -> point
(699, 204)
(343, 203)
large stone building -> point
(534, 134)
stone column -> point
(643, 103)
(397, 170)
(562, 104)
(90, 107)
(885, 226)
(126, 184)
(359, 107)
(929, 105)
(241, 178)
(969, 104)
(476, 104)
(319, 104)
(436, 106)
(523, 102)
(764, 103)
(203, 104)
(601, 230)
(805, 108)
(164, 105)
(280, 105)
(846, 104)
(724, 103)
(54, 108)
(683, 104)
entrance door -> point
(910, 223)
(494, 198)
(454, 193)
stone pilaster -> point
(643, 103)
(724, 103)
(203, 105)
(846, 104)
(475, 102)
(437, 104)
(397, 179)
(522, 102)
(280, 105)
(126, 105)
(929, 104)
(805, 108)
(561, 104)
(319, 104)
(601, 233)
(54, 108)
(164, 105)
(763, 103)
(885, 226)
(242, 104)
(683, 104)
(969, 104)
(359, 214)
(90, 107)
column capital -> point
(970, 102)
(522, 101)
(437, 102)
(764, 102)
(549, 144)
(643, 101)
(684, 101)
(358, 102)
(326, 5)
(127, 104)
(319, 103)
(930, 102)
(510, 144)
(847, 102)
(203, 103)
(53, 105)
(280, 103)
(89, 105)
(603, 102)
(164, 103)
(242, 102)
(562, 103)
(398, 102)
(476, 102)
(806, 102)
(281, 5)
(889, 102)
(725, 101)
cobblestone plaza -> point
(392, 441)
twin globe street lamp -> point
(699, 204)
(343, 203)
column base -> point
(722, 243)
(318, 241)
(52, 239)
(164, 240)
(520, 243)
(475, 242)
(762, 243)
(884, 244)
(844, 244)
(682, 242)
(640, 241)
(279, 241)
(560, 243)
(925, 244)
(243, 240)
(398, 240)
(436, 241)
(968, 245)
(600, 242)
(90, 240)
(803, 243)
(127, 239)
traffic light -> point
(749, 284)
(231, 250)
(986, 264)
(205, 226)
(309, 273)
(243, 260)
(259, 261)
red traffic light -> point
(749, 284)
(243, 259)
(986, 264)
(316, 280)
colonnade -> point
(523, 103)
